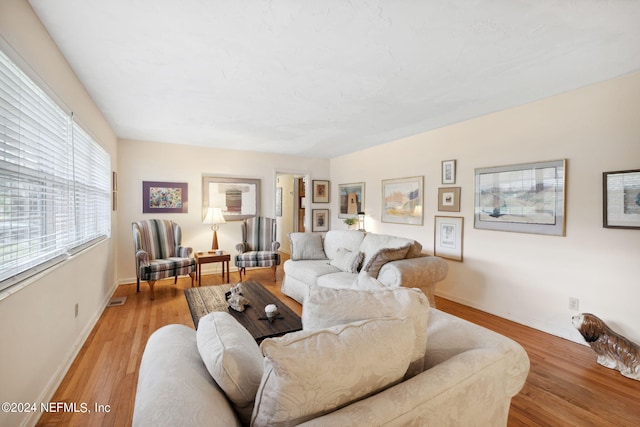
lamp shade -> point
(214, 216)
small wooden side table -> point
(208, 257)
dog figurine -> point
(614, 351)
(235, 299)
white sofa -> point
(470, 376)
(331, 260)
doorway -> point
(290, 206)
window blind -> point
(91, 189)
(54, 180)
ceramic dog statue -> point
(614, 351)
(235, 299)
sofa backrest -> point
(368, 243)
(372, 243)
(336, 239)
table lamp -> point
(215, 218)
(361, 221)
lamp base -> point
(214, 242)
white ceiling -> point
(323, 78)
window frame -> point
(63, 199)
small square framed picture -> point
(449, 172)
(449, 199)
(448, 237)
(320, 218)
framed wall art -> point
(402, 200)
(239, 198)
(351, 199)
(320, 218)
(164, 197)
(621, 199)
(448, 237)
(320, 191)
(449, 199)
(524, 198)
(449, 172)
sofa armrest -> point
(240, 247)
(174, 386)
(142, 260)
(421, 272)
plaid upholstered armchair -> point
(259, 247)
(159, 253)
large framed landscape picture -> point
(402, 200)
(164, 197)
(621, 197)
(524, 198)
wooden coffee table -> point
(250, 318)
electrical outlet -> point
(76, 309)
(574, 304)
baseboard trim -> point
(58, 377)
(522, 321)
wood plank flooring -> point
(565, 386)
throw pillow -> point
(325, 307)
(306, 246)
(311, 373)
(383, 256)
(347, 260)
(233, 359)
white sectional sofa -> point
(470, 375)
(336, 258)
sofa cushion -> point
(338, 280)
(372, 243)
(306, 246)
(311, 373)
(324, 307)
(336, 239)
(366, 281)
(233, 359)
(309, 271)
(347, 260)
(382, 257)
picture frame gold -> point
(449, 199)
(448, 237)
(320, 190)
(403, 200)
(320, 220)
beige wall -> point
(145, 161)
(524, 277)
(39, 332)
(528, 278)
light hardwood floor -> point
(565, 386)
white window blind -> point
(54, 180)
(92, 189)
